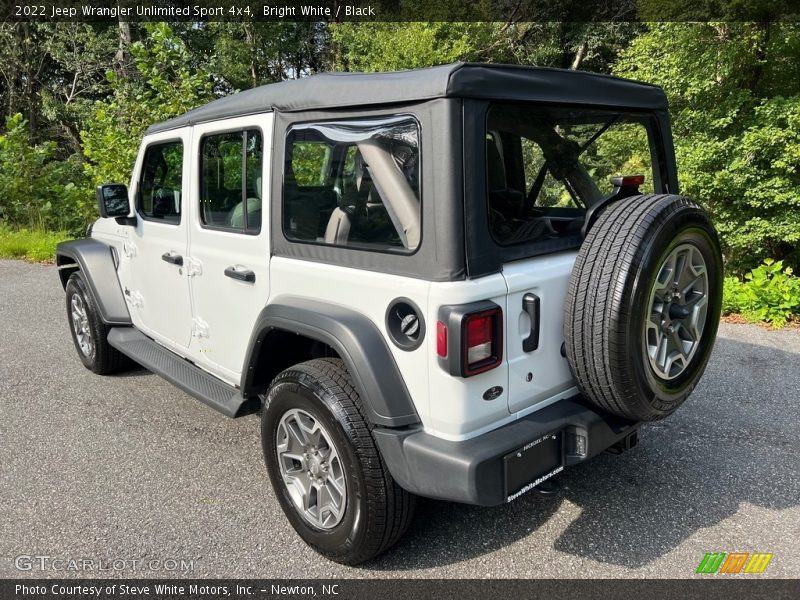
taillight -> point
(441, 339)
(627, 181)
(469, 337)
(482, 339)
(480, 332)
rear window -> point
(545, 166)
(354, 183)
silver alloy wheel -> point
(80, 323)
(311, 469)
(677, 311)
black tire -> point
(377, 510)
(609, 297)
(102, 358)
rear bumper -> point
(473, 471)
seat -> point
(338, 229)
(508, 201)
(352, 204)
(166, 204)
(253, 211)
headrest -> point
(361, 173)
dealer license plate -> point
(535, 462)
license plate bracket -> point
(533, 463)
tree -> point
(79, 53)
(733, 96)
(392, 46)
(249, 54)
(38, 191)
(164, 87)
(23, 63)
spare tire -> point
(643, 305)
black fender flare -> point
(356, 340)
(96, 263)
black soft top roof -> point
(460, 80)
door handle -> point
(530, 304)
(172, 258)
(240, 275)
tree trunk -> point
(251, 52)
(122, 58)
(30, 108)
(762, 46)
(579, 56)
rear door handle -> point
(530, 304)
(174, 259)
(240, 274)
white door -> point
(228, 239)
(536, 290)
(544, 164)
(153, 270)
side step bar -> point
(191, 379)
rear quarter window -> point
(354, 183)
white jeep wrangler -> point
(451, 282)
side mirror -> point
(112, 200)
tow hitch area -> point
(626, 443)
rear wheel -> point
(643, 305)
(325, 468)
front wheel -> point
(89, 333)
(325, 468)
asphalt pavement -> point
(128, 471)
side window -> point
(354, 183)
(230, 181)
(159, 196)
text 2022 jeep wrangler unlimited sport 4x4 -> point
(451, 282)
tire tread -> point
(107, 359)
(597, 312)
(390, 507)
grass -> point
(30, 245)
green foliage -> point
(769, 293)
(38, 191)
(165, 86)
(34, 246)
(309, 160)
(623, 150)
(87, 91)
(395, 46)
(736, 124)
(414, 44)
(249, 54)
(78, 53)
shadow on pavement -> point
(732, 443)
